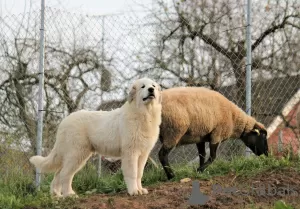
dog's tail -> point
(46, 164)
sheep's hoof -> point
(200, 169)
(170, 176)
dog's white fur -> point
(129, 132)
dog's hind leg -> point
(129, 169)
(70, 167)
(141, 165)
(55, 188)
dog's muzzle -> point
(150, 96)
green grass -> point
(282, 205)
(17, 190)
(240, 166)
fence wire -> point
(90, 62)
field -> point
(176, 194)
(255, 182)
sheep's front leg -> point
(129, 168)
(202, 154)
(213, 153)
(141, 166)
(164, 160)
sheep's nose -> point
(151, 90)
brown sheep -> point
(198, 115)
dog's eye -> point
(153, 86)
(143, 86)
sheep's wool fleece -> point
(198, 111)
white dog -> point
(129, 132)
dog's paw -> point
(56, 196)
(143, 191)
(133, 192)
(71, 195)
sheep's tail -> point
(45, 164)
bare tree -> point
(73, 77)
(203, 43)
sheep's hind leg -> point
(213, 153)
(164, 160)
(202, 154)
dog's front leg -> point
(141, 165)
(129, 169)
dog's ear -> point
(160, 94)
(131, 94)
(160, 98)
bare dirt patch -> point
(247, 193)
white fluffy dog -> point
(129, 132)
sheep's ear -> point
(256, 131)
(260, 129)
(131, 94)
(259, 126)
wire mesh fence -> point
(90, 62)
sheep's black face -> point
(256, 140)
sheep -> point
(195, 115)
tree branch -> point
(272, 30)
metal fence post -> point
(40, 93)
(248, 66)
(102, 62)
(280, 141)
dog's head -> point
(145, 91)
(256, 140)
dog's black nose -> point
(151, 90)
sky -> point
(91, 7)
